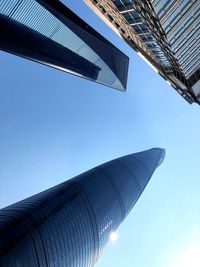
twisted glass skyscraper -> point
(69, 224)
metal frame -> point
(157, 50)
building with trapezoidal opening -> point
(165, 33)
(50, 33)
(71, 223)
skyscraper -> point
(50, 33)
(165, 33)
(70, 224)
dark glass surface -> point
(50, 33)
(70, 224)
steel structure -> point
(166, 33)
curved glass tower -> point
(70, 224)
(50, 33)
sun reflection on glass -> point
(113, 236)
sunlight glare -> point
(190, 258)
(113, 236)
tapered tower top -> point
(71, 223)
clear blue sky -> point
(55, 125)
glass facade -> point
(181, 23)
(165, 32)
(52, 34)
(70, 224)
